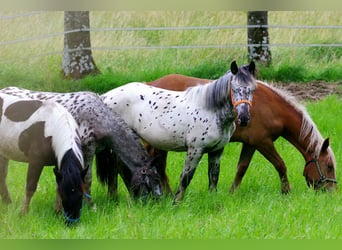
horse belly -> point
(218, 140)
(160, 133)
(9, 147)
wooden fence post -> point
(77, 56)
(258, 39)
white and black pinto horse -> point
(103, 132)
(199, 120)
(42, 134)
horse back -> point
(177, 82)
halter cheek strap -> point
(237, 103)
(322, 177)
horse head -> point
(319, 172)
(71, 188)
(146, 182)
(243, 85)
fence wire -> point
(129, 29)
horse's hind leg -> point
(33, 174)
(214, 159)
(5, 196)
(246, 155)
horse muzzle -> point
(243, 113)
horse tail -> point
(106, 166)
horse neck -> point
(65, 137)
(215, 94)
(299, 129)
(70, 165)
(125, 142)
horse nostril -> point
(243, 122)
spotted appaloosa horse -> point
(104, 132)
(42, 134)
(274, 113)
(199, 120)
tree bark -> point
(77, 55)
(258, 36)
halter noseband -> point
(237, 103)
(322, 177)
(71, 220)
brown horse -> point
(274, 113)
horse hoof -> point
(23, 211)
(285, 191)
(6, 201)
(177, 199)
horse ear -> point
(234, 68)
(58, 175)
(325, 145)
(251, 68)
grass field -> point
(257, 210)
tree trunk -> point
(77, 56)
(258, 39)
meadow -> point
(257, 210)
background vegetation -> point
(257, 210)
(36, 63)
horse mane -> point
(215, 94)
(71, 169)
(65, 133)
(308, 128)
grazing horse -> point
(104, 132)
(42, 134)
(199, 120)
(274, 113)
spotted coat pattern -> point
(99, 128)
(199, 120)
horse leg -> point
(5, 196)
(192, 159)
(270, 153)
(113, 176)
(33, 173)
(214, 159)
(246, 155)
(160, 162)
(88, 154)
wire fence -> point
(60, 35)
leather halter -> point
(322, 177)
(71, 220)
(237, 103)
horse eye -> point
(330, 168)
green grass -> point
(257, 210)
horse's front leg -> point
(88, 155)
(214, 159)
(160, 157)
(5, 196)
(246, 155)
(193, 157)
(268, 150)
(33, 173)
